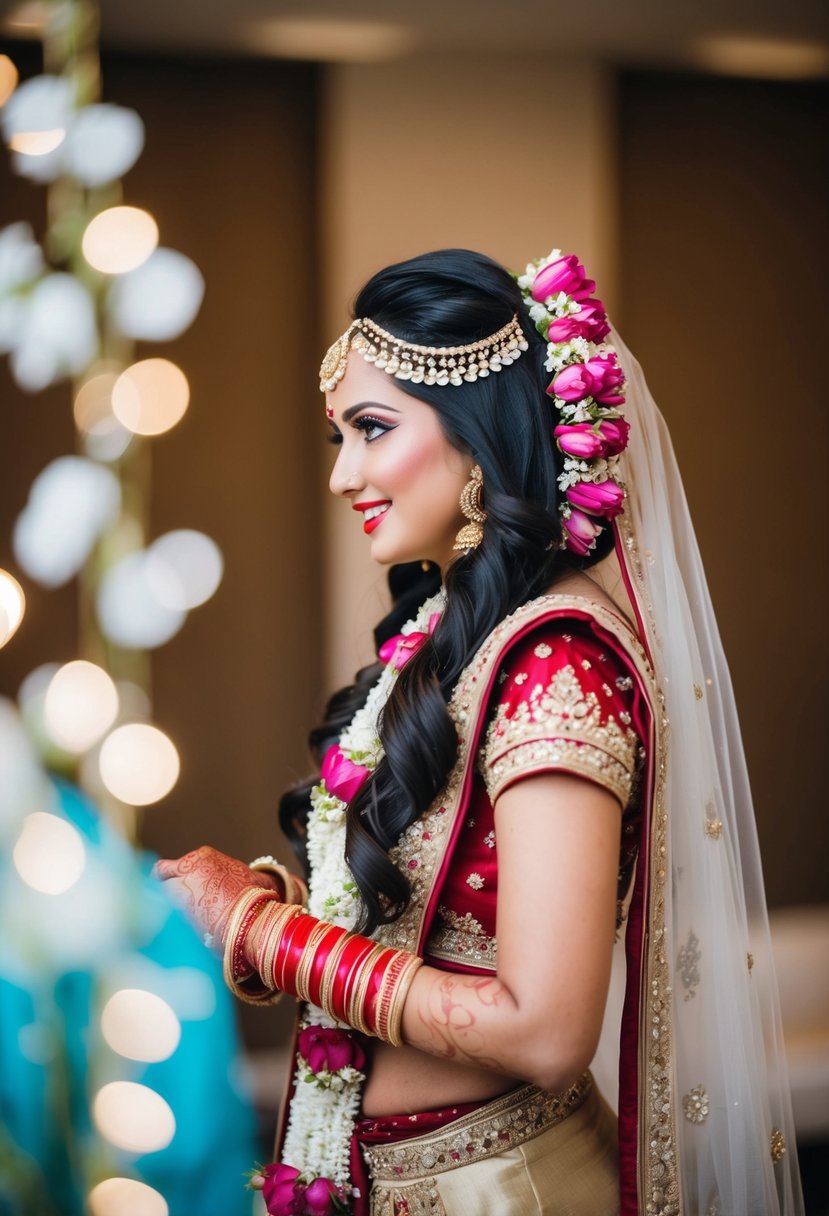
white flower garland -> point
(325, 1105)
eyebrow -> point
(376, 405)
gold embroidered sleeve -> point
(560, 723)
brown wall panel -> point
(724, 299)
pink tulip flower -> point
(589, 322)
(580, 439)
(567, 275)
(328, 1049)
(581, 532)
(604, 498)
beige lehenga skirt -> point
(527, 1153)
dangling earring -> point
(471, 534)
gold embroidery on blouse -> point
(688, 965)
(777, 1145)
(580, 758)
(474, 881)
(695, 1105)
(559, 722)
(543, 651)
(462, 939)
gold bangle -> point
(358, 1016)
(238, 912)
(278, 920)
(294, 890)
(328, 973)
(307, 961)
(392, 997)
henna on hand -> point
(208, 882)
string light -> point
(151, 396)
(49, 855)
(140, 1025)
(138, 764)
(12, 606)
(81, 705)
(126, 1197)
(119, 239)
(133, 1117)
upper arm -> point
(558, 857)
(559, 760)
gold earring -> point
(471, 534)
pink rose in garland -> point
(590, 322)
(604, 498)
(581, 532)
(342, 776)
(328, 1049)
(287, 1192)
(399, 649)
(567, 275)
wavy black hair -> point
(504, 422)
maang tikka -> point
(471, 534)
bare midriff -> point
(403, 1080)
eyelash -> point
(364, 423)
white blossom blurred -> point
(70, 504)
(159, 300)
(129, 610)
(54, 332)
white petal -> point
(103, 143)
(43, 103)
(129, 611)
(157, 301)
(21, 258)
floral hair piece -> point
(587, 390)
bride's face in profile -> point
(396, 466)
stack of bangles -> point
(351, 978)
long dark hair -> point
(504, 421)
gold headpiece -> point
(422, 364)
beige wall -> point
(507, 156)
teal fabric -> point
(52, 1060)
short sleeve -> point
(563, 704)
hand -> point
(206, 882)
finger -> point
(165, 868)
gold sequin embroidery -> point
(474, 881)
(695, 1105)
(559, 726)
(543, 651)
(462, 939)
(688, 965)
(777, 1145)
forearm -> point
(477, 1021)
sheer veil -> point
(731, 1110)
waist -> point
(487, 1129)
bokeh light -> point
(140, 1025)
(184, 568)
(49, 854)
(129, 611)
(126, 1197)
(138, 763)
(104, 437)
(37, 143)
(157, 302)
(81, 705)
(8, 79)
(119, 239)
(133, 1117)
(12, 606)
(70, 504)
(150, 396)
